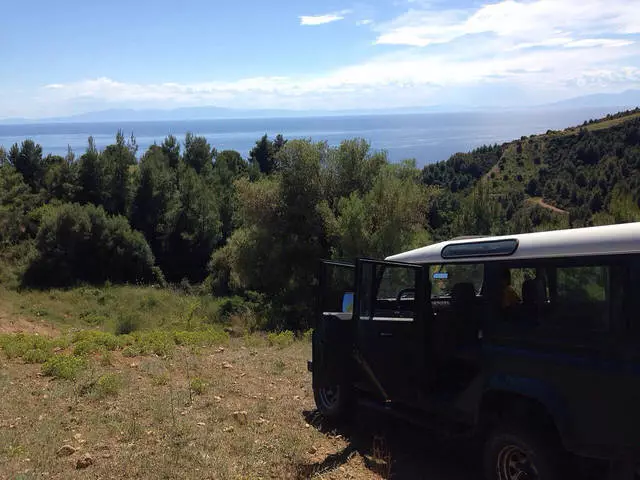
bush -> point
(280, 340)
(127, 323)
(198, 386)
(17, 345)
(107, 385)
(81, 243)
(36, 356)
(63, 366)
(85, 347)
(231, 306)
(95, 340)
(307, 336)
(201, 338)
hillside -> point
(580, 176)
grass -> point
(151, 417)
(162, 400)
(116, 309)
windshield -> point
(443, 277)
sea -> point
(424, 137)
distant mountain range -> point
(627, 99)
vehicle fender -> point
(539, 391)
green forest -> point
(186, 215)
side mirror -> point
(347, 302)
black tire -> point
(516, 452)
(333, 402)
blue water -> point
(424, 137)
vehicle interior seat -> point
(465, 314)
(532, 300)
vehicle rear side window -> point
(444, 277)
(581, 299)
(567, 298)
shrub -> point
(307, 336)
(81, 243)
(201, 338)
(107, 385)
(85, 347)
(36, 356)
(231, 306)
(198, 386)
(127, 323)
(63, 366)
(95, 340)
(17, 345)
(280, 340)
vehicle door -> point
(390, 328)
(558, 344)
(333, 333)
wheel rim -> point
(515, 464)
(329, 396)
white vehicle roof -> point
(579, 242)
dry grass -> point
(233, 412)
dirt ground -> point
(242, 411)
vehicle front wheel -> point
(333, 401)
(515, 453)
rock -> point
(201, 424)
(77, 436)
(220, 349)
(261, 420)
(241, 417)
(106, 455)
(227, 429)
(312, 450)
(65, 451)
(217, 398)
(226, 365)
(84, 461)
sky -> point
(66, 57)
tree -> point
(532, 187)
(197, 152)
(16, 201)
(60, 178)
(194, 229)
(263, 154)
(389, 218)
(92, 182)
(171, 150)
(228, 168)
(352, 167)
(3, 156)
(117, 160)
(479, 214)
(27, 159)
(155, 199)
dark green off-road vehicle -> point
(530, 343)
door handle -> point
(386, 334)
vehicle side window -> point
(396, 292)
(445, 277)
(395, 281)
(580, 299)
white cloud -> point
(598, 42)
(519, 21)
(312, 20)
(366, 21)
